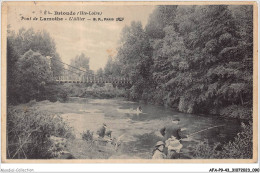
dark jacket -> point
(101, 131)
(171, 130)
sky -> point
(97, 40)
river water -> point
(140, 131)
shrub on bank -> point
(99, 93)
(28, 132)
(55, 92)
(236, 111)
(87, 135)
(94, 91)
(107, 91)
(73, 89)
(50, 91)
(240, 148)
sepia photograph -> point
(129, 82)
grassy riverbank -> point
(29, 129)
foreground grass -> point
(29, 131)
(81, 149)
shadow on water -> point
(142, 146)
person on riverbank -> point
(102, 131)
(158, 151)
(172, 135)
(173, 146)
(173, 129)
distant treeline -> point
(198, 59)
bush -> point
(206, 151)
(158, 96)
(103, 92)
(240, 148)
(57, 147)
(236, 111)
(28, 132)
(74, 90)
(185, 105)
(54, 92)
(94, 91)
(87, 136)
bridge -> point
(85, 77)
(93, 79)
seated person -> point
(158, 151)
(174, 147)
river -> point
(140, 131)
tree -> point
(170, 64)
(113, 68)
(56, 65)
(39, 41)
(198, 58)
(135, 57)
(33, 72)
(244, 21)
(108, 70)
(12, 58)
(100, 72)
(20, 43)
(243, 15)
(214, 78)
(160, 18)
(81, 62)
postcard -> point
(129, 82)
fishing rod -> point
(204, 130)
(197, 131)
